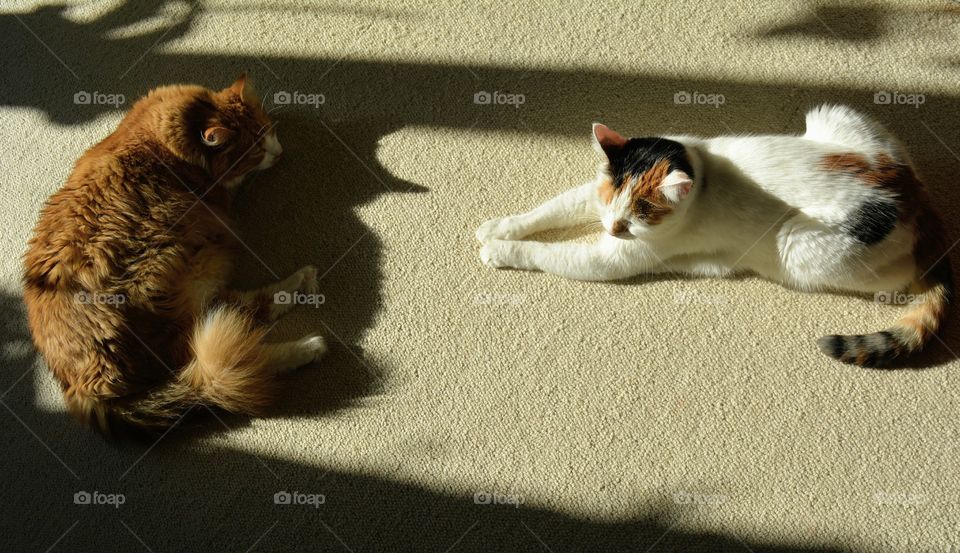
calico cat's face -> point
(643, 182)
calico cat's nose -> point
(618, 228)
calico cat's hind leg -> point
(568, 209)
(278, 299)
(812, 255)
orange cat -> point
(125, 275)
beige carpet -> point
(652, 415)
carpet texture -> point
(467, 409)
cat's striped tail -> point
(228, 371)
(931, 294)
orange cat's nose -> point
(272, 145)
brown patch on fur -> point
(647, 200)
(884, 172)
(124, 263)
(846, 163)
(607, 191)
(619, 227)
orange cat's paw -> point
(308, 284)
(316, 345)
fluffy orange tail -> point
(228, 370)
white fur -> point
(272, 151)
(676, 186)
(232, 184)
(762, 204)
(287, 356)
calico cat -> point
(125, 276)
(839, 208)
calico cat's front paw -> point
(503, 228)
(497, 254)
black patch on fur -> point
(875, 350)
(872, 358)
(891, 339)
(832, 345)
(873, 220)
(640, 154)
(892, 346)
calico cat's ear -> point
(676, 185)
(607, 141)
(215, 136)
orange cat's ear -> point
(239, 85)
(216, 136)
(243, 88)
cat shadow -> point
(855, 22)
(346, 250)
(850, 23)
(174, 495)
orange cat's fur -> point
(125, 275)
